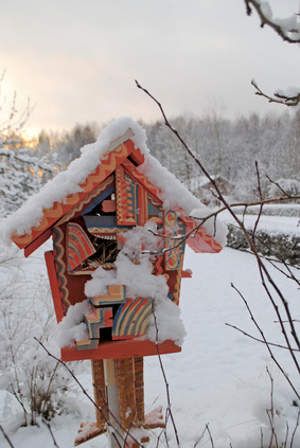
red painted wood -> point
(141, 179)
(142, 204)
(135, 154)
(186, 274)
(108, 206)
(49, 257)
(37, 243)
(120, 349)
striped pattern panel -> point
(115, 295)
(132, 318)
(154, 210)
(79, 246)
(127, 198)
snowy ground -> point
(272, 224)
(220, 376)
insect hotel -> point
(118, 222)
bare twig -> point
(99, 408)
(6, 437)
(287, 430)
(169, 412)
(51, 433)
(259, 189)
(272, 290)
(266, 342)
(276, 98)
(210, 436)
(295, 430)
(285, 193)
(271, 414)
(273, 344)
(291, 35)
(201, 437)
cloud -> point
(77, 61)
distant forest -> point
(228, 148)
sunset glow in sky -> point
(77, 60)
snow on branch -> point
(288, 28)
(288, 97)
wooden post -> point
(114, 431)
(99, 393)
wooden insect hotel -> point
(115, 190)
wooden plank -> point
(99, 394)
(186, 273)
(135, 154)
(141, 179)
(59, 208)
(28, 250)
(120, 349)
(49, 257)
(125, 379)
(139, 389)
(108, 206)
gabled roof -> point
(30, 226)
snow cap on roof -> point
(173, 192)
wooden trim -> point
(120, 349)
(28, 250)
(142, 205)
(135, 153)
(141, 178)
(49, 258)
(51, 215)
(186, 274)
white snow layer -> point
(134, 270)
(173, 192)
(72, 326)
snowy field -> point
(220, 376)
(288, 225)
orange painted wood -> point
(186, 274)
(37, 243)
(135, 154)
(49, 257)
(120, 349)
(54, 213)
(142, 179)
(108, 206)
(201, 242)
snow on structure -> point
(168, 321)
(172, 191)
(119, 223)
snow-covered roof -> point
(172, 192)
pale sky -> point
(77, 60)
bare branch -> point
(272, 290)
(169, 412)
(51, 433)
(271, 413)
(273, 344)
(295, 430)
(6, 437)
(210, 436)
(266, 342)
(277, 98)
(99, 408)
(289, 34)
